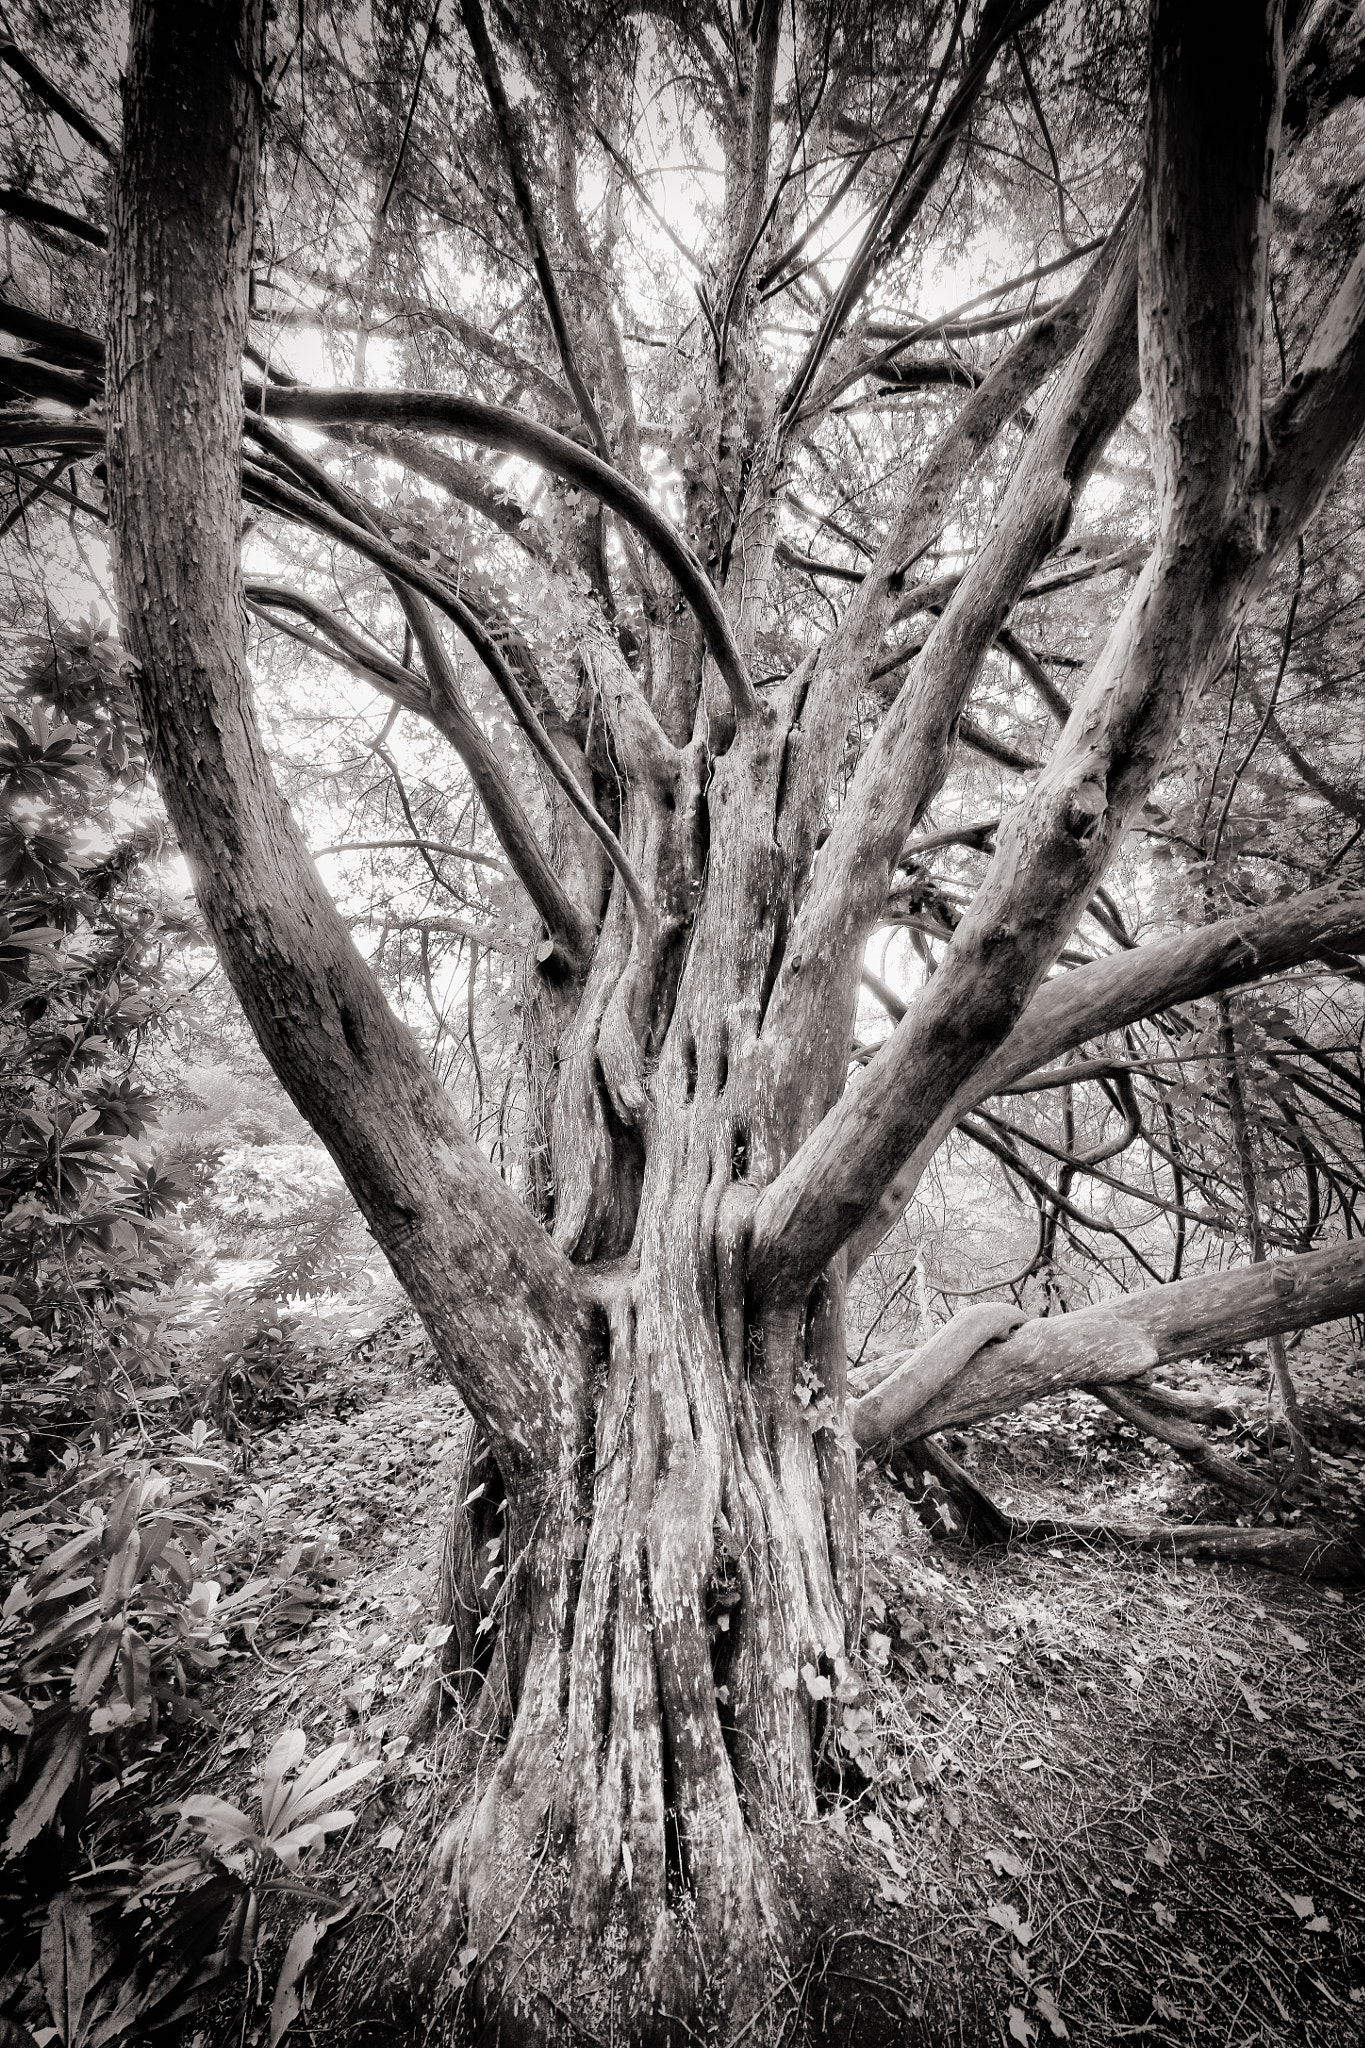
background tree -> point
(714, 715)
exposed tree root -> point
(1252, 1481)
(955, 1509)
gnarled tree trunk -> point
(659, 1380)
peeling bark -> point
(658, 1378)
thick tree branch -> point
(903, 767)
(1224, 517)
(52, 96)
(1071, 1009)
(24, 206)
(1111, 1344)
(460, 1242)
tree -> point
(651, 1344)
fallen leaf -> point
(1047, 2007)
(1303, 1906)
(817, 1687)
(1021, 2029)
(391, 1839)
(1158, 1852)
(288, 1999)
(1005, 1863)
(1319, 1924)
(1004, 1915)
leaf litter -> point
(1042, 1850)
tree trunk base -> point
(505, 1959)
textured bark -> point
(184, 207)
(1232, 494)
(1108, 1345)
(656, 1365)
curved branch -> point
(469, 853)
(486, 59)
(278, 496)
(448, 712)
(1071, 1009)
(1115, 1342)
(497, 426)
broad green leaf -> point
(65, 1963)
(60, 1765)
(285, 1755)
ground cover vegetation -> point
(681, 818)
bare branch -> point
(23, 206)
(402, 570)
(911, 186)
(469, 853)
(496, 426)
(486, 59)
(52, 96)
(1071, 1009)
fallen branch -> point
(955, 1509)
(1302, 1553)
(1253, 1482)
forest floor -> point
(1087, 1795)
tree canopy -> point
(748, 622)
